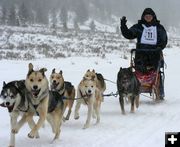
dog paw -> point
(30, 135)
(37, 136)
(123, 113)
(63, 119)
(14, 131)
(97, 122)
(66, 118)
(76, 117)
(132, 111)
(55, 141)
(86, 126)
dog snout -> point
(35, 87)
(54, 81)
(89, 91)
(7, 103)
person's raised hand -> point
(123, 20)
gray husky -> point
(128, 86)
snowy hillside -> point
(145, 128)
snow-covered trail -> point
(145, 128)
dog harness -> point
(85, 97)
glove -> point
(123, 21)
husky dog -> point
(128, 86)
(13, 95)
(89, 95)
(100, 83)
(65, 89)
(45, 103)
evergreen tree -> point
(76, 26)
(12, 17)
(23, 15)
(81, 11)
(65, 28)
(41, 16)
(117, 30)
(53, 19)
(4, 15)
(63, 15)
(92, 26)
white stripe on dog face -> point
(36, 81)
(88, 87)
(9, 98)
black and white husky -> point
(13, 95)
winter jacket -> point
(136, 31)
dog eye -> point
(31, 80)
(52, 77)
(12, 96)
(39, 80)
(92, 86)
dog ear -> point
(120, 68)
(4, 83)
(43, 70)
(19, 84)
(53, 71)
(93, 70)
(30, 67)
(88, 70)
(61, 72)
(84, 78)
(130, 69)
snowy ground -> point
(145, 128)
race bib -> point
(149, 35)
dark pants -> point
(146, 59)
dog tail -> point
(101, 79)
(69, 87)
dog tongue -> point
(35, 93)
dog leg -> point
(132, 104)
(70, 103)
(137, 101)
(76, 113)
(121, 101)
(42, 110)
(94, 113)
(97, 111)
(31, 124)
(68, 114)
(13, 117)
(18, 125)
(57, 122)
(90, 108)
(64, 109)
(51, 121)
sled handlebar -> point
(146, 50)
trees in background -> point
(24, 12)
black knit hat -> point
(149, 11)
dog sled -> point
(148, 65)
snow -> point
(145, 128)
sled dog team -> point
(33, 97)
